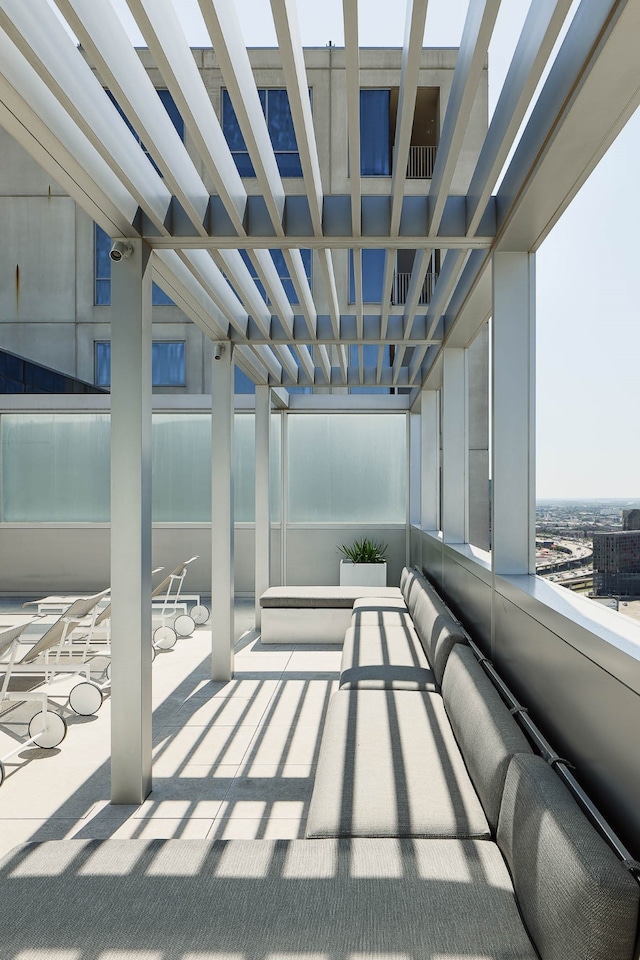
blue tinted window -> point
(167, 363)
(375, 134)
(372, 276)
(277, 111)
(102, 287)
(174, 115)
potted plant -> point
(364, 564)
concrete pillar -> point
(430, 444)
(513, 414)
(131, 526)
(454, 446)
(263, 498)
(222, 572)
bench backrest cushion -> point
(577, 899)
(437, 629)
(487, 734)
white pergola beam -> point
(39, 122)
(46, 45)
(352, 72)
(478, 27)
(416, 15)
(290, 46)
(105, 40)
(222, 23)
(163, 31)
(539, 33)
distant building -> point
(631, 519)
(616, 564)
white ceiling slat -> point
(288, 362)
(305, 360)
(539, 33)
(212, 280)
(235, 268)
(222, 23)
(45, 44)
(357, 283)
(295, 75)
(478, 28)
(266, 269)
(295, 266)
(34, 106)
(352, 70)
(182, 286)
(416, 16)
(105, 41)
(165, 37)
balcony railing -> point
(400, 289)
(421, 162)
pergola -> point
(53, 102)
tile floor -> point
(230, 760)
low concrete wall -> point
(37, 559)
(573, 663)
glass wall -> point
(347, 468)
(55, 468)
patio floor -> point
(231, 760)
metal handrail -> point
(400, 288)
(421, 161)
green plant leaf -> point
(365, 551)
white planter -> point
(362, 574)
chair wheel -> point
(200, 613)
(165, 638)
(184, 625)
(85, 698)
(47, 734)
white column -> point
(222, 574)
(454, 446)
(513, 414)
(430, 443)
(263, 498)
(131, 526)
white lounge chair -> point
(47, 728)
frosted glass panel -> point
(55, 467)
(244, 467)
(346, 468)
(181, 467)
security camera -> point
(218, 350)
(120, 250)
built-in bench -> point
(549, 889)
(313, 614)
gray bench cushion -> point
(260, 898)
(576, 898)
(487, 734)
(384, 658)
(389, 766)
(335, 597)
(438, 630)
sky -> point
(588, 277)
